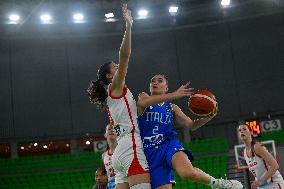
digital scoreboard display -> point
(255, 127)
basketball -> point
(202, 103)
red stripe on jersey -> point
(135, 167)
(110, 117)
(118, 97)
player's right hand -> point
(184, 91)
(127, 15)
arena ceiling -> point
(190, 12)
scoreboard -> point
(255, 127)
(260, 127)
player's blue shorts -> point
(160, 161)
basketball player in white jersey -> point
(261, 163)
(107, 156)
(110, 93)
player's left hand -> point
(127, 15)
(184, 91)
(255, 184)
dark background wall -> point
(43, 79)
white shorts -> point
(128, 158)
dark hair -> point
(102, 169)
(253, 141)
(96, 91)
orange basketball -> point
(202, 103)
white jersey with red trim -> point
(123, 113)
(128, 158)
(107, 158)
(258, 168)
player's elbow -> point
(140, 104)
(190, 125)
(143, 100)
(276, 166)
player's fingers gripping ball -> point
(203, 103)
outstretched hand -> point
(184, 91)
(127, 15)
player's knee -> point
(189, 174)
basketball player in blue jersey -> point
(163, 150)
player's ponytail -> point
(97, 89)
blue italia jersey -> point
(156, 124)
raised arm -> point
(118, 80)
(262, 152)
(144, 100)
